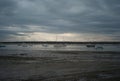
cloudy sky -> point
(69, 20)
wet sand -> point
(61, 66)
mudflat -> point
(61, 66)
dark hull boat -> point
(90, 46)
(1, 46)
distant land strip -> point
(60, 42)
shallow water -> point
(71, 63)
(22, 48)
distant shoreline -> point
(60, 42)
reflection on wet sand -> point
(60, 66)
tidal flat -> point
(61, 66)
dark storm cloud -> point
(6, 10)
(61, 16)
(7, 7)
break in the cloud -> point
(76, 20)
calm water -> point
(66, 48)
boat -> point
(44, 45)
(1, 46)
(99, 47)
(90, 46)
(24, 45)
(59, 45)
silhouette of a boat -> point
(2, 46)
(59, 45)
(90, 45)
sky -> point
(61, 20)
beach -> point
(57, 65)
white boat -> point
(59, 45)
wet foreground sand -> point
(61, 66)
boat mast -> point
(56, 38)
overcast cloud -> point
(76, 20)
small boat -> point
(59, 45)
(23, 54)
(44, 45)
(90, 45)
(99, 47)
(24, 45)
(1, 46)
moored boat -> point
(2, 46)
(90, 45)
(59, 45)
